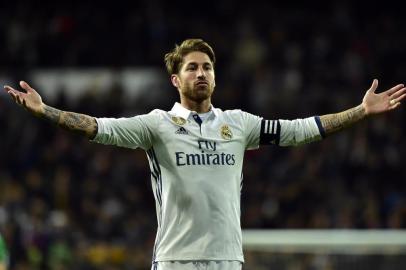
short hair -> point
(174, 59)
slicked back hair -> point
(174, 59)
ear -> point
(175, 80)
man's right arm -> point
(32, 102)
(75, 122)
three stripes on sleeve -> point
(270, 132)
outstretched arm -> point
(372, 103)
(32, 102)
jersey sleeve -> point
(291, 132)
(133, 132)
(259, 131)
(252, 126)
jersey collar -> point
(181, 111)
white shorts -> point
(197, 265)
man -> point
(195, 153)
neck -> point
(197, 106)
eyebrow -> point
(195, 64)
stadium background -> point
(66, 203)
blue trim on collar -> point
(181, 111)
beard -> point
(197, 93)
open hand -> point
(29, 99)
(378, 103)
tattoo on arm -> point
(52, 114)
(75, 122)
(339, 121)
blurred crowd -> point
(66, 203)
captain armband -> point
(270, 132)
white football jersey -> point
(196, 172)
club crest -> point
(226, 133)
(178, 120)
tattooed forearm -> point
(75, 122)
(339, 121)
(51, 114)
(80, 123)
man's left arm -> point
(372, 104)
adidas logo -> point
(181, 130)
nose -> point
(201, 73)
